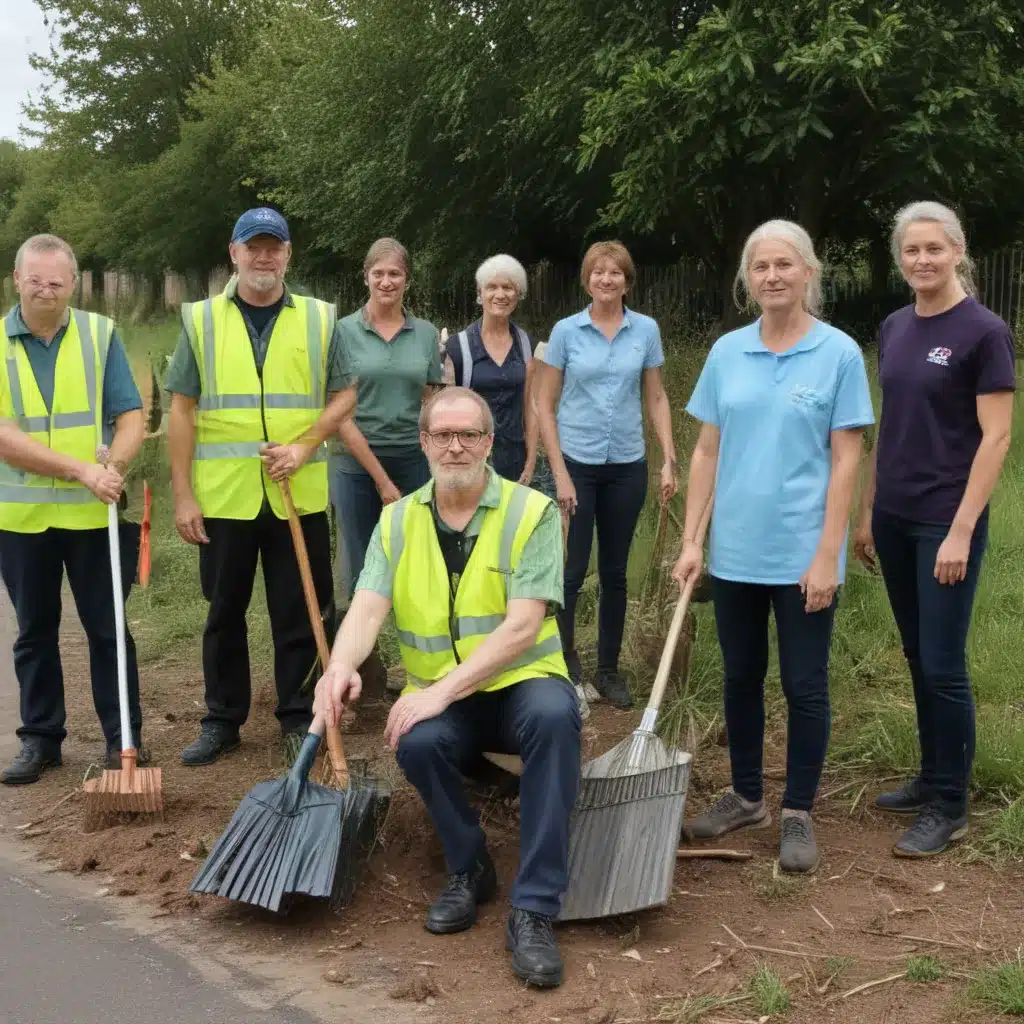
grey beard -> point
(458, 479)
(262, 281)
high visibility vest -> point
(434, 636)
(72, 426)
(239, 411)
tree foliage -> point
(530, 127)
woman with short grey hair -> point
(494, 357)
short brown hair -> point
(383, 248)
(446, 396)
(614, 251)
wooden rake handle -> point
(333, 733)
(679, 616)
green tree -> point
(123, 69)
(829, 111)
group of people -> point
(454, 472)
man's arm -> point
(181, 442)
(129, 432)
(340, 683)
(19, 450)
(513, 638)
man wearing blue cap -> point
(257, 385)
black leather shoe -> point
(212, 743)
(113, 760)
(455, 908)
(31, 762)
(535, 957)
(613, 688)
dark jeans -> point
(741, 618)
(611, 496)
(358, 505)
(33, 567)
(227, 570)
(933, 620)
(509, 459)
(539, 719)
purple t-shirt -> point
(932, 368)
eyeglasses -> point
(467, 438)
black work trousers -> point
(227, 570)
(33, 567)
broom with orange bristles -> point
(128, 789)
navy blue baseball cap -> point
(260, 221)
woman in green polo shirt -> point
(397, 360)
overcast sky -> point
(21, 32)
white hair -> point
(791, 234)
(46, 243)
(503, 266)
(935, 213)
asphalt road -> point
(65, 962)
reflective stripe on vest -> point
(15, 486)
(429, 653)
(236, 417)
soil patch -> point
(856, 920)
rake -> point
(128, 789)
(292, 837)
(629, 813)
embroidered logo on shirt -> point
(940, 356)
(803, 395)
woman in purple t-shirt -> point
(946, 366)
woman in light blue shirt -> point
(783, 403)
(597, 364)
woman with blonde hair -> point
(782, 404)
(600, 367)
(946, 366)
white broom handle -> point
(127, 740)
(679, 616)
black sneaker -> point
(930, 834)
(613, 688)
(455, 909)
(531, 940)
(213, 742)
(113, 758)
(910, 798)
(32, 760)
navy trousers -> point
(933, 619)
(539, 719)
(741, 618)
(32, 565)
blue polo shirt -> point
(120, 392)
(776, 414)
(600, 414)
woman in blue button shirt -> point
(596, 366)
(783, 403)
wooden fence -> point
(684, 294)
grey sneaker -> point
(727, 815)
(930, 834)
(798, 852)
(910, 798)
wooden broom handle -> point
(678, 617)
(333, 733)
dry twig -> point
(869, 985)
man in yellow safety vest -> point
(66, 389)
(471, 565)
(257, 384)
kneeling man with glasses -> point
(471, 563)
